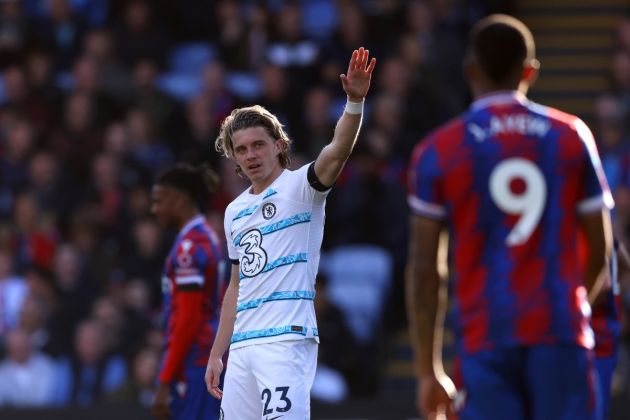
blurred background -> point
(97, 96)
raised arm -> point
(356, 84)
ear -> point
(530, 72)
(279, 146)
(470, 69)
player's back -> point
(510, 176)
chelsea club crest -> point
(268, 210)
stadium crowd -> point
(96, 97)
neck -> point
(260, 186)
(482, 89)
(186, 216)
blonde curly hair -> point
(247, 117)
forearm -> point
(346, 132)
(597, 231)
(226, 322)
(186, 326)
(425, 313)
(595, 274)
(334, 155)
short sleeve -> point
(424, 182)
(305, 188)
(227, 227)
(596, 193)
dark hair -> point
(198, 182)
(501, 45)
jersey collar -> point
(198, 219)
(498, 98)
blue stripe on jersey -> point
(245, 212)
(286, 260)
(282, 224)
(269, 193)
(300, 294)
(271, 332)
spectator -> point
(144, 257)
(78, 138)
(13, 34)
(74, 292)
(139, 36)
(13, 292)
(60, 31)
(89, 372)
(49, 186)
(147, 150)
(113, 77)
(318, 123)
(33, 238)
(34, 315)
(18, 145)
(27, 377)
(140, 387)
(162, 108)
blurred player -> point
(512, 183)
(274, 231)
(192, 285)
(606, 322)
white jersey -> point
(276, 237)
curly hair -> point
(247, 117)
(199, 183)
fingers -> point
(370, 67)
(360, 60)
(212, 384)
(216, 392)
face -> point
(256, 152)
(165, 202)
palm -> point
(356, 82)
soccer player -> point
(274, 231)
(606, 322)
(192, 284)
(510, 184)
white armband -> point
(354, 108)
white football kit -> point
(275, 237)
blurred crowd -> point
(98, 96)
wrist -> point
(354, 106)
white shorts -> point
(270, 381)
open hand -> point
(356, 82)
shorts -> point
(190, 400)
(538, 382)
(270, 381)
(605, 369)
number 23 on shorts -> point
(284, 403)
